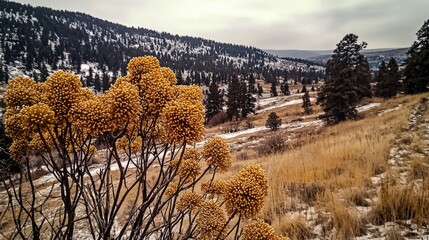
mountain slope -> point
(37, 40)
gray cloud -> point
(269, 24)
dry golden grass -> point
(344, 156)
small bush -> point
(271, 145)
(273, 121)
(217, 119)
(231, 127)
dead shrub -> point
(217, 119)
(272, 145)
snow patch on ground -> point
(367, 107)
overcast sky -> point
(266, 24)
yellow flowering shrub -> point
(37, 116)
(245, 192)
(36, 144)
(189, 201)
(168, 74)
(192, 154)
(94, 116)
(191, 93)
(217, 187)
(211, 219)
(155, 92)
(189, 169)
(171, 189)
(123, 99)
(14, 126)
(258, 230)
(18, 149)
(141, 65)
(20, 92)
(184, 121)
(63, 90)
(216, 153)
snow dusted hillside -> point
(35, 41)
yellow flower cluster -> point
(14, 125)
(258, 230)
(123, 99)
(192, 154)
(184, 121)
(141, 65)
(20, 92)
(191, 93)
(246, 190)
(210, 221)
(63, 90)
(37, 116)
(189, 169)
(171, 188)
(215, 188)
(217, 154)
(135, 143)
(155, 92)
(189, 201)
(168, 74)
(94, 116)
(36, 144)
(18, 148)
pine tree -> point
(214, 101)
(284, 87)
(252, 82)
(273, 90)
(97, 83)
(233, 102)
(345, 82)
(273, 122)
(89, 79)
(417, 64)
(106, 81)
(306, 103)
(249, 101)
(260, 90)
(388, 79)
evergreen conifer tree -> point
(273, 122)
(249, 101)
(97, 83)
(273, 90)
(417, 64)
(106, 81)
(233, 102)
(252, 82)
(388, 79)
(306, 103)
(214, 101)
(346, 81)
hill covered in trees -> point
(36, 41)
